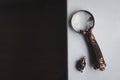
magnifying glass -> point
(83, 22)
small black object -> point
(80, 65)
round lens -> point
(82, 20)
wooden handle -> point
(99, 63)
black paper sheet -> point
(33, 40)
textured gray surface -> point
(107, 33)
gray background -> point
(107, 33)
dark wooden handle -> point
(99, 63)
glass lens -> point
(82, 20)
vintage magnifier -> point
(83, 22)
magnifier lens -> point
(82, 20)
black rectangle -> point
(33, 40)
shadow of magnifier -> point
(83, 22)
